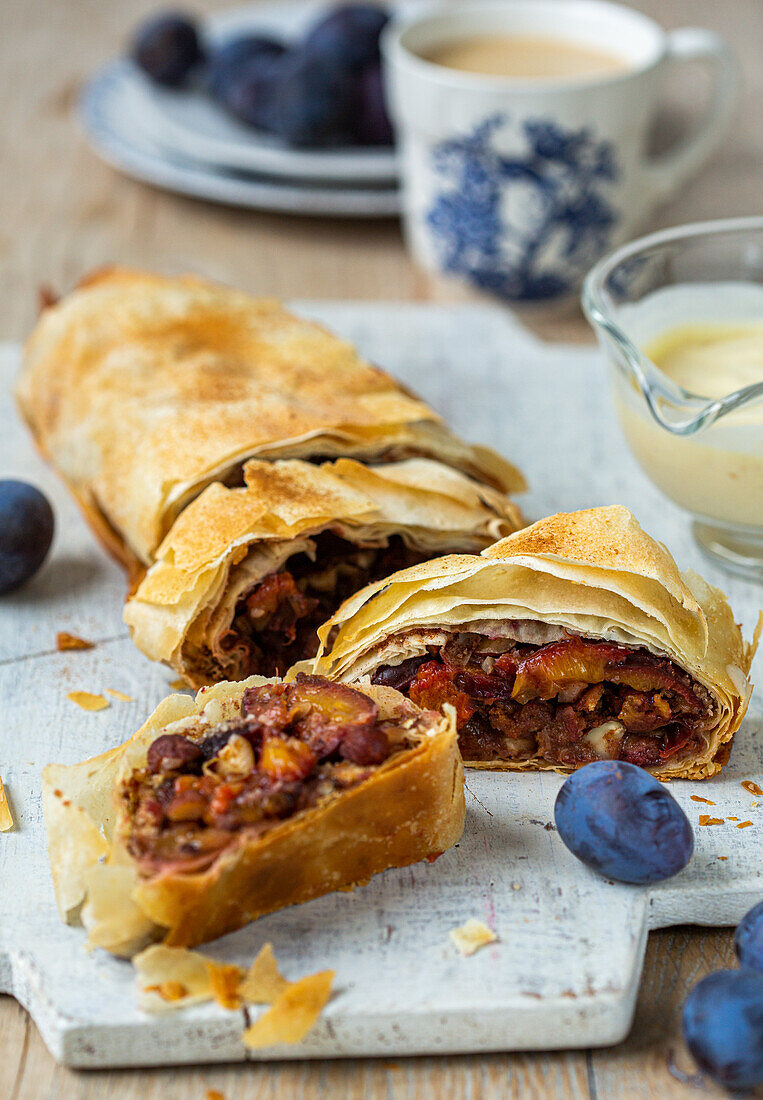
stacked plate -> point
(182, 141)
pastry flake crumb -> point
(6, 817)
(473, 935)
(66, 641)
(722, 857)
(119, 695)
(225, 980)
(169, 991)
(88, 700)
(171, 977)
(750, 787)
(744, 824)
(293, 1014)
(213, 1094)
(705, 819)
(263, 982)
(179, 684)
(732, 819)
(699, 798)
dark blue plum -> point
(748, 939)
(372, 124)
(723, 1027)
(252, 93)
(26, 532)
(348, 36)
(167, 47)
(229, 60)
(316, 101)
(618, 820)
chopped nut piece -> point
(293, 1014)
(471, 936)
(88, 701)
(119, 695)
(66, 641)
(213, 1094)
(699, 798)
(722, 857)
(705, 819)
(235, 758)
(6, 817)
(750, 787)
(743, 824)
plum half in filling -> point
(275, 623)
(293, 746)
(567, 702)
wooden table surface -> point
(63, 213)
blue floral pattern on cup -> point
(523, 226)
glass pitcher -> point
(704, 450)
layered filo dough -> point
(142, 389)
(246, 575)
(573, 640)
(248, 798)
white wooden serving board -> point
(567, 967)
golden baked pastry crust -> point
(411, 807)
(143, 389)
(596, 573)
(187, 599)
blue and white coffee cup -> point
(518, 186)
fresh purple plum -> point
(26, 532)
(748, 939)
(348, 37)
(723, 1027)
(229, 60)
(166, 47)
(315, 102)
(372, 124)
(251, 95)
(618, 820)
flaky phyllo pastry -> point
(576, 639)
(246, 575)
(251, 797)
(141, 390)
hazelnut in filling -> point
(275, 623)
(569, 701)
(292, 746)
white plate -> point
(566, 970)
(190, 124)
(115, 124)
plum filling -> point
(292, 746)
(567, 702)
(275, 624)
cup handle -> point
(670, 169)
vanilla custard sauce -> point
(527, 57)
(717, 472)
